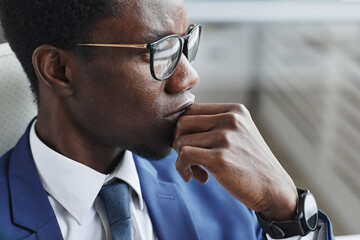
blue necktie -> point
(115, 197)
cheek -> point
(123, 84)
(142, 108)
(124, 101)
(136, 94)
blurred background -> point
(296, 66)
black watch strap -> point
(305, 220)
(281, 229)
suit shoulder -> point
(4, 166)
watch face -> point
(310, 211)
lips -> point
(179, 110)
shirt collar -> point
(126, 171)
(74, 185)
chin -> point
(151, 153)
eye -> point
(145, 56)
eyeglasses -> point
(165, 53)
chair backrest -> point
(17, 106)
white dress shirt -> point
(73, 188)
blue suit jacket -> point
(178, 210)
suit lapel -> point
(31, 208)
(168, 211)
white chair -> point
(17, 106)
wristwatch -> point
(306, 219)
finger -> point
(200, 174)
(203, 123)
(194, 124)
(213, 139)
(214, 108)
(190, 156)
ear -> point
(52, 66)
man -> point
(113, 78)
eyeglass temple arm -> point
(115, 45)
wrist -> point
(284, 207)
(305, 220)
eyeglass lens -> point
(193, 45)
(168, 52)
(166, 56)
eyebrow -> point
(155, 35)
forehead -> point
(142, 21)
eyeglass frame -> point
(152, 47)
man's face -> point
(118, 103)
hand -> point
(223, 139)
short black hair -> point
(28, 24)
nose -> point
(184, 78)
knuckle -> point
(184, 152)
(233, 119)
(220, 157)
(224, 138)
(182, 158)
(238, 107)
